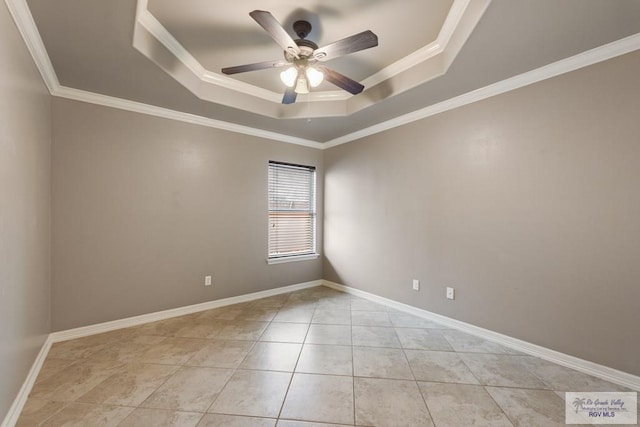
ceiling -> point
(238, 38)
(179, 40)
(168, 54)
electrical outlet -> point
(207, 280)
(451, 293)
(416, 284)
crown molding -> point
(139, 107)
(155, 27)
(157, 30)
(422, 65)
(429, 51)
(148, 21)
(581, 60)
(27, 27)
(24, 21)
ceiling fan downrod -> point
(302, 28)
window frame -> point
(289, 257)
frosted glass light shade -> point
(289, 76)
(314, 76)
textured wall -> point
(527, 203)
(144, 208)
(25, 144)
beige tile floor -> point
(316, 357)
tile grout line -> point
(484, 387)
(284, 399)
(65, 404)
(414, 378)
(254, 342)
(237, 367)
(178, 367)
(353, 366)
(119, 371)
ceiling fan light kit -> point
(302, 78)
(289, 76)
(302, 56)
(314, 76)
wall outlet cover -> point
(207, 280)
(416, 284)
(451, 293)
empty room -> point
(319, 213)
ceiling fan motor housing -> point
(302, 28)
(301, 55)
(307, 47)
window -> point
(292, 212)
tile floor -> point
(316, 357)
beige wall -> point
(527, 203)
(25, 143)
(144, 208)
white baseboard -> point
(600, 371)
(174, 312)
(18, 404)
(604, 372)
(16, 408)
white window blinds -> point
(292, 210)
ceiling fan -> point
(302, 55)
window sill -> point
(292, 258)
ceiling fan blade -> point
(354, 43)
(253, 67)
(275, 30)
(290, 96)
(342, 81)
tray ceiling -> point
(167, 55)
(418, 42)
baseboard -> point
(174, 312)
(16, 408)
(591, 368)
(18, 404)
(600, 371)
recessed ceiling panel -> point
(86, 50)
(220, 35)
(193, 44)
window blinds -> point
(292, 210)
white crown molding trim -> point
(452, 21)
(581, 365)
(175, 312)
(427, 52)
(423, 54)
(148, 21)
(581, 60)
(157, 30)
(151, 24)
(18, 404)
(24, 21)
(327, 95)
(139, 107)
(451, 25)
